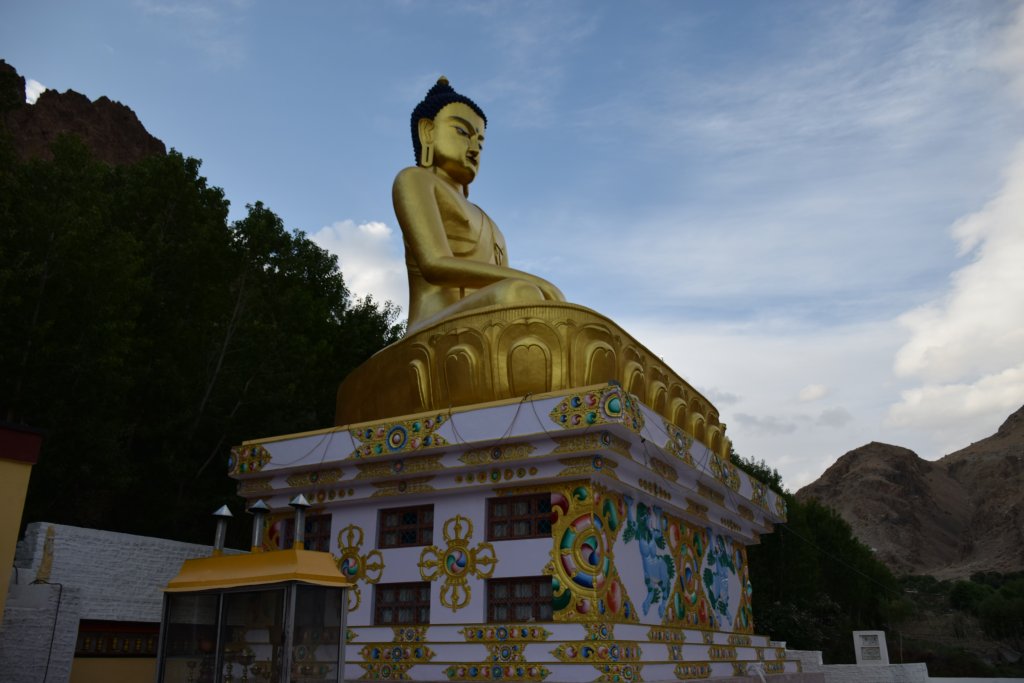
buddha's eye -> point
(461, 131)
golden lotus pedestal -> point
(507, 353)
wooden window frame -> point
(541, 605)
(538, 518)
(317, 539)
(421, 603)
(423, 527)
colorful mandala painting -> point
(586, 584)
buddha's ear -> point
(425, 128)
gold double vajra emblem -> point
(457, 562)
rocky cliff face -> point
(948, 518)
(111, 130)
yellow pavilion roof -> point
(258, 568)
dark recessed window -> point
(318, 533)
(521, 599)
(401, 603)
(519, 517)
(401, 527)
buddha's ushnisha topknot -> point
(440, 95)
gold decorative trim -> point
(586, 465)
(591, 441)
(654, 489)
(696, 509)
(590, 652)
(736, 639)
(708, 637)
(501, 633)
(248, 459)
(409, 634)
(401, 466)
(312, 478)
(679, 443)
(664, 469)
(532, 488)
(603, 405)
(693, 671)
(490, 672)
(390, 438)
(251, 486)
(745, 512)
(400, 488)
(617, 673)
(705, 491)
(722, 653)
(729, 524)
(504, 452)
(666, 635)
(725, 472)
(600, 631)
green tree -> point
(813, 581)
(147, 335)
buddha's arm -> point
(420, 218)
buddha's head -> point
(448, 132)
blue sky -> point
(813, 211)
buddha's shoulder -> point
(415, 176)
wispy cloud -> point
(210, 27)
(966, 350)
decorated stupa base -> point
(569, 536)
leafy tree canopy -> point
(146, 335)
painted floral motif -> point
(719, 567)
(585, 582)
(355, 566)
(457, 562)
(247, 459)
(388, 438)
(600, 406)
(647, 529)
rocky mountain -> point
(110, 129)
(948, 518)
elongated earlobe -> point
(427, 156)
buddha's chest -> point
(469, 231)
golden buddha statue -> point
(480, 331)
(456, 255)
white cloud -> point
(966, 350)
(33, 89)
(370, 258)
(812, 392)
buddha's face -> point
(457, 135)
